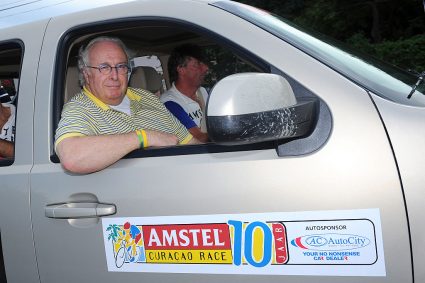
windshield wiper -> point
(421, 77)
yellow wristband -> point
(145, 138)
(140, 136)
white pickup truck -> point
(314, 172)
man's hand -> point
(156, 138)
(199, 135)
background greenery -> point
(391, 30)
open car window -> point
(151, 43)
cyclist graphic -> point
(132, 235)
(127, 242)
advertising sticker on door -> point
(303, 243)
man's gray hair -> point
(83, 55)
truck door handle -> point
(79, 210)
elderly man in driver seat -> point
(107, 120)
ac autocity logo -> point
(330, 242)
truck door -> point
(75, 217)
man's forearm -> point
(198, 134)
(6, 149)
(87, 154)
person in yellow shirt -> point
(107, 120)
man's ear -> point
(86, 75)
(180, 69)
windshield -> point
(379, 77)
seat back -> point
(72, 83)
(146, 78)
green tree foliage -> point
(392, 30)
(222, 64)
(407, 53)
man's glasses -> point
(105, 69)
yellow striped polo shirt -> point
(86, 115)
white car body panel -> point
(403, 124)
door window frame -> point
(10, 45)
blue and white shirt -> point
(186, 110)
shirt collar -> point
(184, 97)
(130, 94)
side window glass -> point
(222, 63)
(10, 66)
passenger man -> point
(107, 120)
(186, 98)
(7, 125)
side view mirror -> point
(256, 107)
